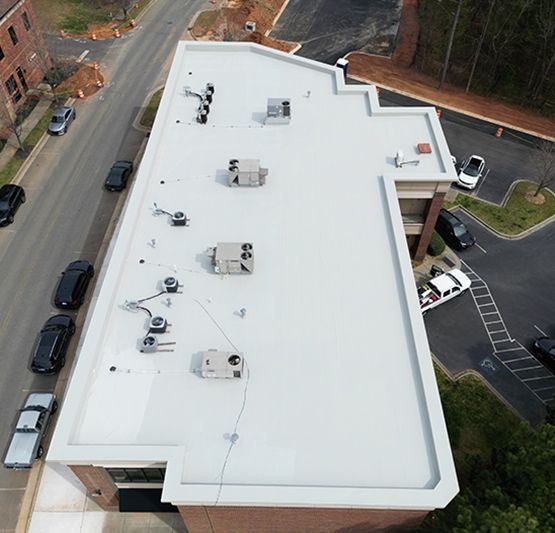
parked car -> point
(453, 231)
(61, 119)
(72, 287)
(11, 197)
(470, 172)
(31, 426)
(49, 354)
(544, 348)
(442, 289)
(118, 175)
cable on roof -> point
(151, 297)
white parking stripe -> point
(525, 368)
(478, 246)
(545, 388)
(508, 350)
(550, 376)
(543, 333)
(517, 359)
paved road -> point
(67, 211)
(73, 48)
(328, 29)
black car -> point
(71, 289)
(453, 231)
(544, 348)
(118, 176)
(49, 355)
(11, 197)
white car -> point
(471, 171)
(442, 289)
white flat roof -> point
(340, 406)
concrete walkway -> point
(62, 505)
(28, 124)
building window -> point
(22, 79)
(13, 35)
(13, 89)
(137, 475)
(26, 21)
(2, 56)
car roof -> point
(477, 157)
(447, 215)
(122, 163)
(80, 264)
(61, 110)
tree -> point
(125, 6)
(479, 47)
(450, 44)
(13, 122)
(542, 161)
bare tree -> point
(450, 44)
(479, 47)
(125, 6)
(543, 164)
(12, 122)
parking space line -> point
(543, 333)
(479, 247)
(539, 377)
(545, 388)
(517, 359)
(525, 368)
(469, 272)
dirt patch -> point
(228, 23)
(538, 199)
(383, 72)
(85, 79)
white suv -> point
(471, 171)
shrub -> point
(437, 244)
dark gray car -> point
(61, 119)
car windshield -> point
(459, 230)
(454, 279)
(473, 168)
(57, 119)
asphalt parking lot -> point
(329, 29)
(518, 276)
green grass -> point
(516, 216)
(149, 114)
(204, 21)
(10, 170)
(476, 419)
(81, 14)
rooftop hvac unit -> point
(233, 258)
(158, 324)
(226, 365)
(170, 284)
(278, 111)
(148, 344)
(246, 173)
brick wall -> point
(209, 519)
(429, 224)
(29, 54)
(97, 479)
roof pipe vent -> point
(148, 344)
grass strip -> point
(9, 171)
(149, 114)
(518, 214)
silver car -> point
(31, 426)
(61, 119)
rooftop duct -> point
(278, 111)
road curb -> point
(450, 107)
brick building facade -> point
(23, 55)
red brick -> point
(429, 224)
(99, 485)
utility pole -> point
(450, 45)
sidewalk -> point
(448, 260)
(62, 505)
(29, 123)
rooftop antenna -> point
(400, 160)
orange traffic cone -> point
(117, 34)
(499, 132)
(377, 90)
(438, 112)
(62, 33)
(98, 83)
(80, 93)
(132, 23)
(93, 36)
(95, 65)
